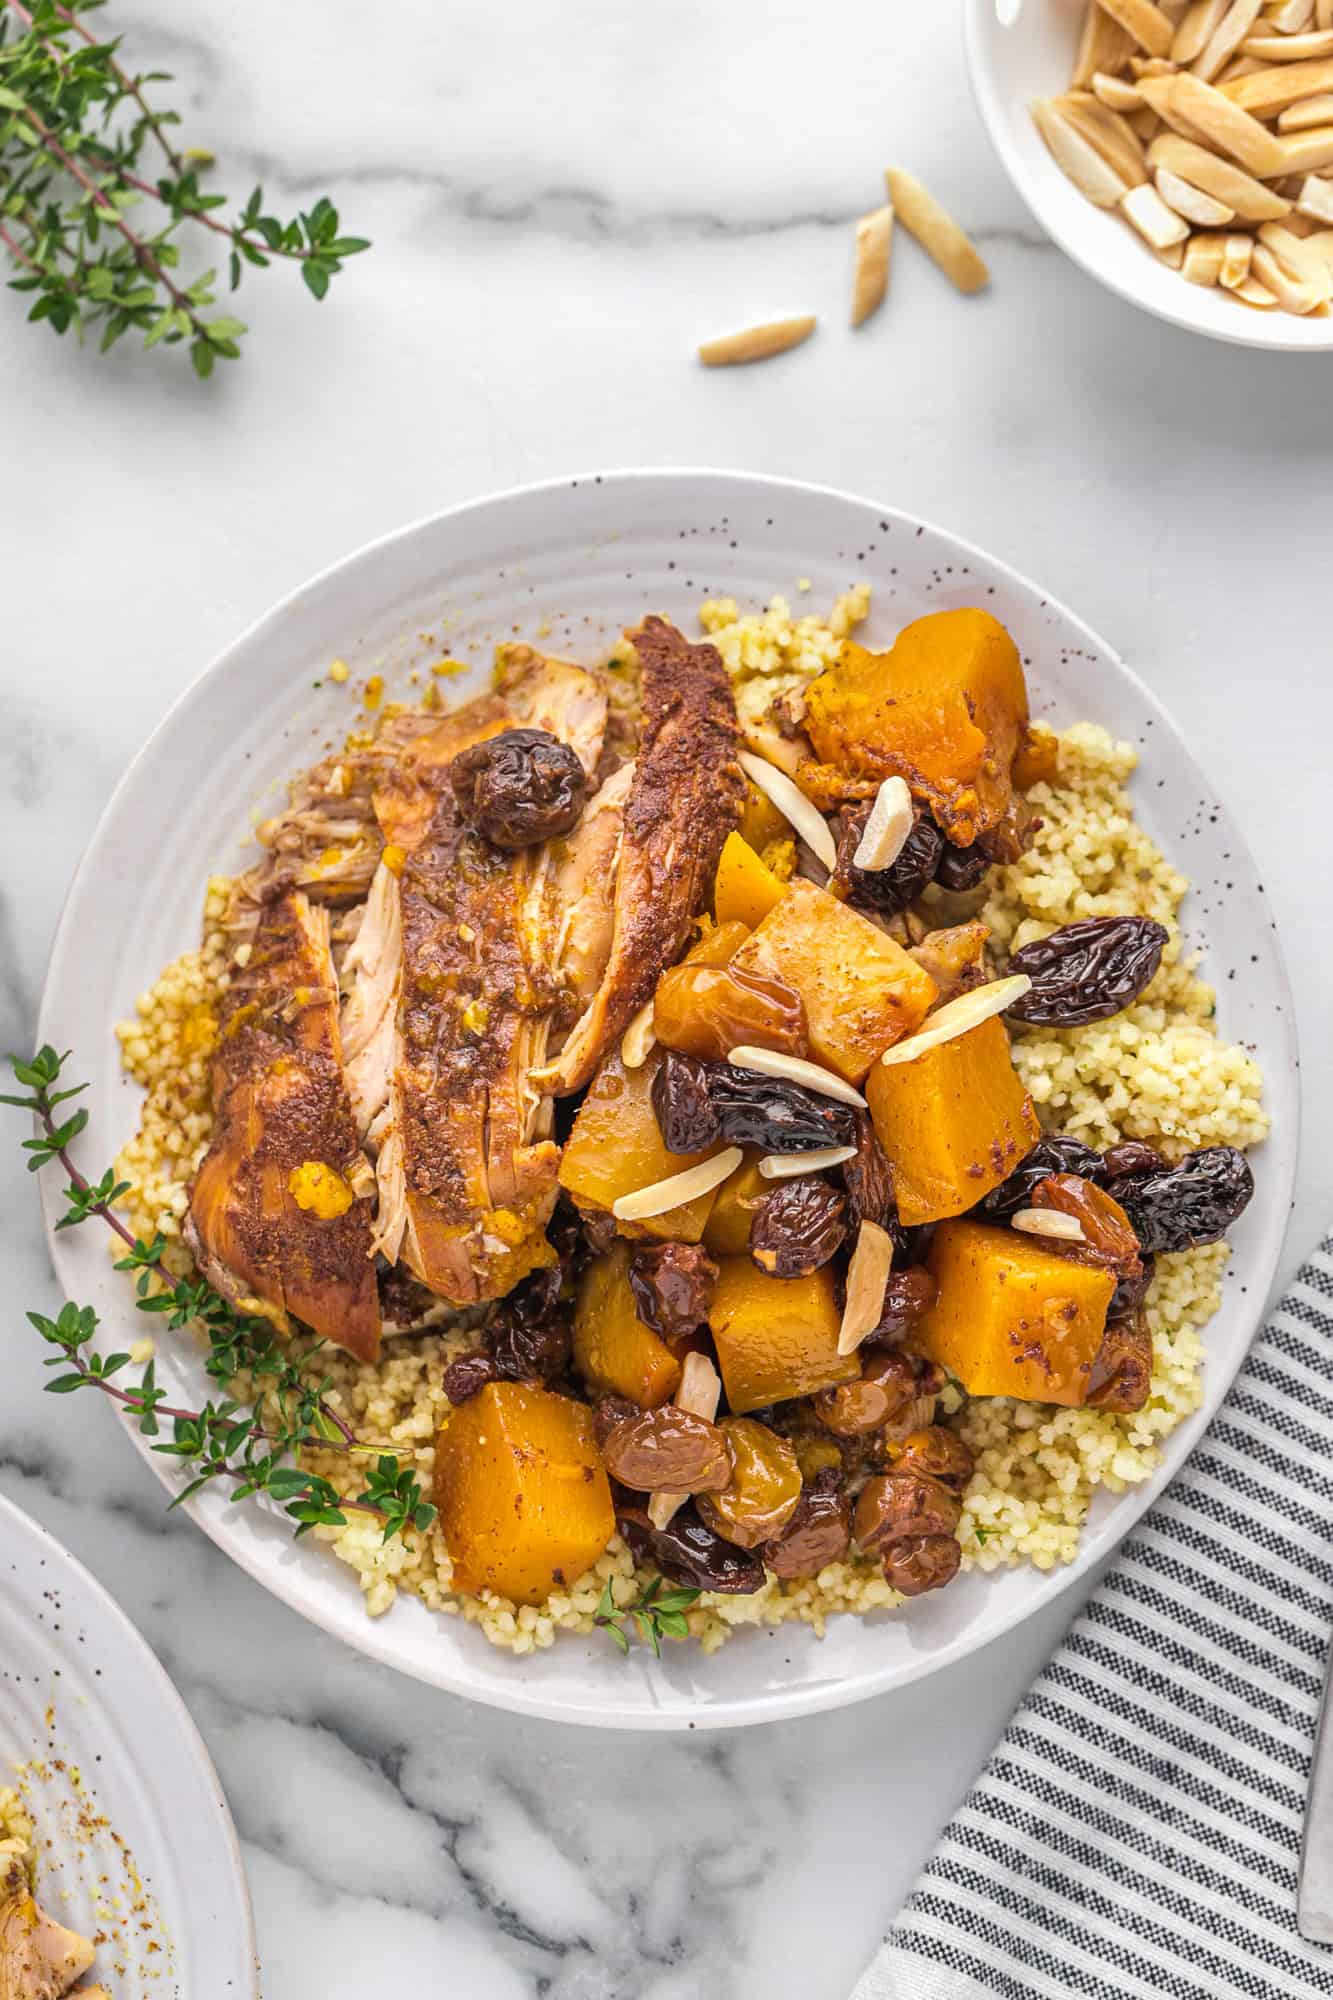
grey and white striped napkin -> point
(1137, 1832)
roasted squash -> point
(744, 888)
(861, 990)
(1013, 1317)
(760, 819)
(776, 1337)
(954, 1122)
(616, 1148)
(727, 1231)
(708, 1010)
(719, 945)
(614, 1351)
(946, 708)
(525, 1505)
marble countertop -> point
(563, 202)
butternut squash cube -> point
(727, 1232)
(744, 888)
(954, 1123)
(613, 1350)
(760, 819)
(862, 991)
(1013, 1317)
(720, 945)
(616, 1148)
(776, 1337)
(945, 708)
(525, 1504)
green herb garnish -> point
(225, 1439)
(91, 228)
(659, 1613)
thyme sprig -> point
(93, 231)
(657, 1612)
(225, 1439)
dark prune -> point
(961, 868)
(890, 889)
(817, 1533)
(1056, 1153)
(672, 1285)
(798, 1227)
(868, 1179)
(682, 1104)
(908, 1294)
(1131, 1157)
(519, 787)
(1087, 971)
(1130, 1292)
(468, 1376)
(922, 1562)
(529, 1338)
(687, 1552)
(778, 1117)
(1195, 1202)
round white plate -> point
(1033, 56)
(133, 1833)
(568, 565)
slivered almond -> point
(1226, 124)
(791, 802)
(1150, 27)
(874, 240)
(1076, 159)
(1303, 117)
(1103, 45)
(1048, 1222)
(1316, 199)
(1236, 255)
(1108, 134)
(639, 1039)
(785, 1166)
(1289, 17)
(887, 827)
(1162, 227)
(1251, 200)
(1252, 293)
(1277, 87)
(756, 343)
(1151, 66)
(1226, 38)
(1294, 295)
(1288, 48)
(1323, 13)
(867, 1277)
(949, 246)
(1172, 255)
(1199, 23)
(1307, 152)
(1203, 259)
(1117, 92)
(673, 1192)
(1321, 243)
(1191, 202)
(1291, 253)
(956, 1017)
(1157, 92)
(699, 1391)
(795, 1069)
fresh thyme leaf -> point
(656, 1613)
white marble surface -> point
(564, 199)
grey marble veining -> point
(564, 200)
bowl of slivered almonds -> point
(1179, 150)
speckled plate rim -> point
(212, 1913)
(328, 1596)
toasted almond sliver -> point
(1307, 152)
(673, 1192)
(1117, 92)
(1316, 199)
(791, 802)
(639, 1039)
(1273, 89)
(1224, 181)
(957, 1017)
(867, 1277)
(887, 827)
(1321, 243)
(936, 231)
(1288, 48)
(1303, 117)
(1200, 23)
(1152, 218)
(1288, 17)
(756, 343)
(1108, 133)
(1076, 159)
(1294, 295)
(874, 240)
(699, 1391)
(1236, 256)
(1323, 13)
(1252, 293)
(1103, 45)
(1203, 259)
(1226, 124)
(795, 1069)
(1191, 202)
(1048, 1222)
(785, 1166)
(1305, 265)
(1148, 67)
(1226, 38)
(1151, 28)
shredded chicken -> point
(39, 1958)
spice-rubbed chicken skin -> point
(280, 1212)
(686, 796)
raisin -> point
(672, 1285)
(1057, 1153)
(908, 1295)
(687, 1552)
(529, 1338)
(668, 1450)
(922, 1562)
(901, 1504)
(938, 1452)
(682, 1105)
(1182, 1206)
(798, 1227)
(886, 1390)
(707, 1010)
(890, 889)
(762, 1493)
(1108, 1234)
(817, 1533)
(1087, 971)
(1130, 1293)
(468, 1376)
(519, 787)
(776, 1116)
(868, 1179)
(607, 1412)
(961, 868)
(1121, 1372)
(1131, 1157)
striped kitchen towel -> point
(1138, 1830)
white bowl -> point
(133, 1832)
(569, 564)
(1034, 57)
